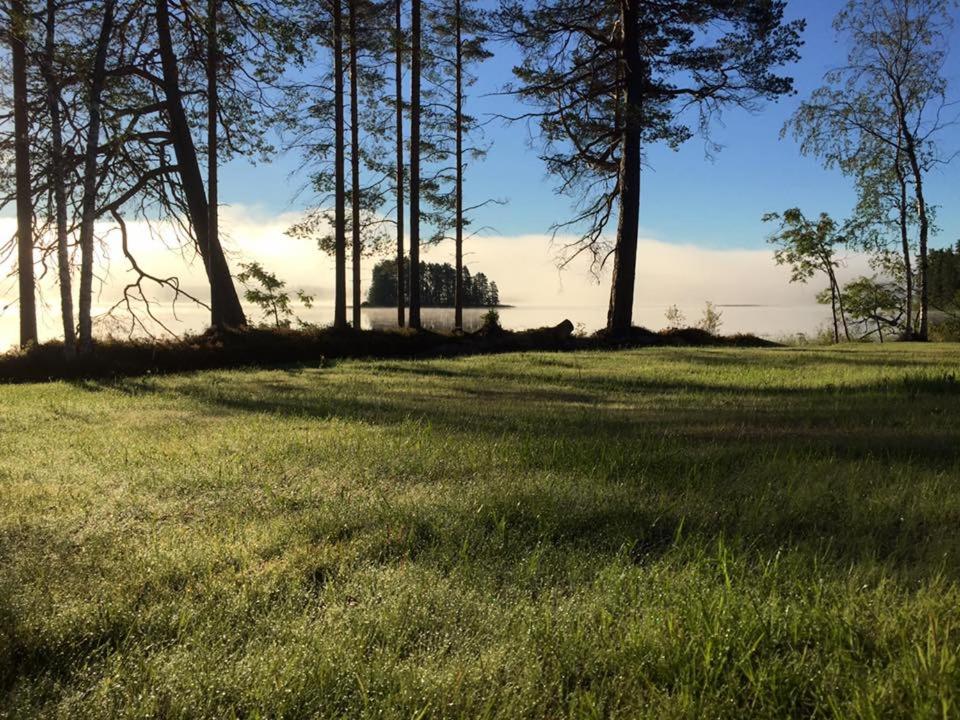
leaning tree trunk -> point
(398, 78)
(355, 164)
(58, 181)
(88, 211)
(458, 288)
(415, 165)
(24, 189)
(225, 307)
(340, 232)
(620, 315)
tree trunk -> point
(905, 242)
(88, 211)
(620, 315)
(458, 291)
(833, 308)
(226, 310)
(355, 162)
(415, 166)
(58, 181)
(24, 190)
(340, 232)
(910, 146)
(837, 301)
(213, 142)
(398, 71)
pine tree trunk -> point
(355, 163)
(398, 72)
(340, 232)
(226, 310)
(415, 166)
(458, 291)
(58, 181)
(213, 143)
(620, 315)
(88, 211)
(24, 190)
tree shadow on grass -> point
(774, 466)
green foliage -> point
(944, 278)
(875, 305)
(675, 318)
(807, 247)
(712, 319)
(474, 539)
(267, 292)
(703, 54)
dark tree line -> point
(944, 278)
(441, 286)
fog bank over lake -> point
(753, 293)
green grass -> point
(657, 533)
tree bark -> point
(355, 163)
(226, 310)
(340, 233)
(24, 190)
(58, 181)
(905, 242)
(213, 142)
(620, 315)
(458, 291)
(88, 212)
(415, 31)
(910, 147)
(398, 72)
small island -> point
(437, 288)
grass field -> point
(657, 533)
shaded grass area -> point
(658, 533)
(281, 347)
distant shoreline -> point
(438, 307)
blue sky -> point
(686, 197)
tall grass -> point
(659, 533)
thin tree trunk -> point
(905, 242)
(620, 315)
(458, 290)
(355, 162)
(58, 180)
(21, 124)
(340, 232)
(833, 308)
(88, 211)
(398, 71)
(910, 146)
(213, 141)
(838, 301)
(415, 31)
(226, 310)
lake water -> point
(768, 321)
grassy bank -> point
(284, 347)
(658, 533)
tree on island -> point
(438, 286)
